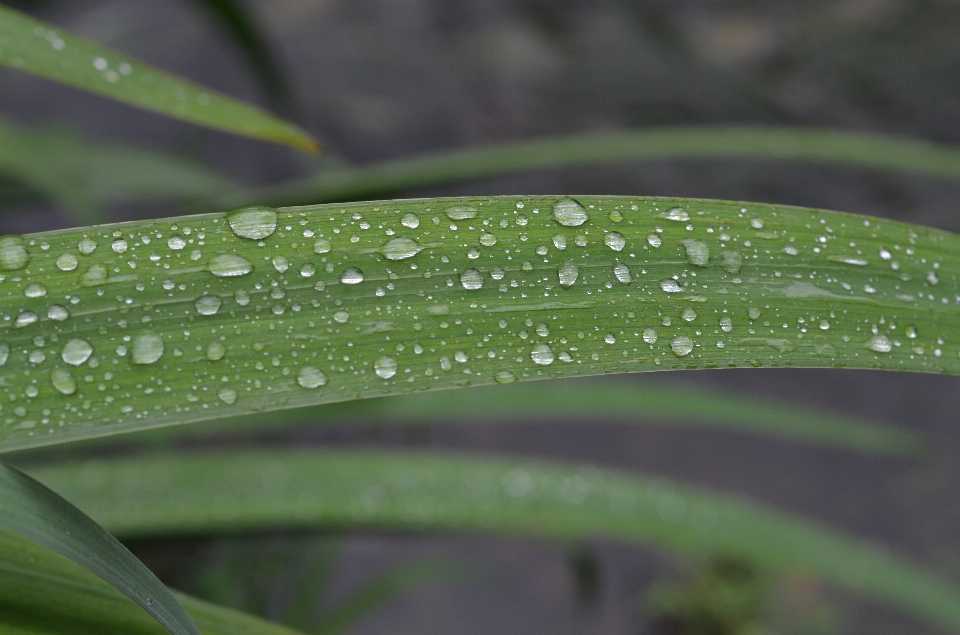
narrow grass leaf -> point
(49, 51)
(203, 493)
(138, 325)
(837, 147)
(29, 509)
(31, 575)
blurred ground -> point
(379, 79)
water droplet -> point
(216, 351)
(649, 336)
(310, 377)
(67, 262)
(932, 277)
(689, 314)
(410, 220)
(731, 261)
(13, 253)
(322, 246)
(229, 265)
(35, 290)
(280, 263)
(242, 297)
(228, 396)
(487, 239)
(570, 213)
(207, 304)
(756, 223)
(351, 275)
(654, 239)
(622, 272)
(911, 331)
(610, 338)
(4, 353)
(176, 242)
(471, 279)
(615, 216)
(26, 318)
(87, 246)
(504, 377)
(58, 313)
(697, 252)
(542, 354)
(460, 212)
(670, 286)
(307, 270)
(147, 348)
(879, 344)
(385, 367)
(400, 248)
(341, 317)
(559, 241)
(681, 345)
(568, 274)
(753, 313)
(676, 213)
(885, 254)
(824, 325)
(726, 324)
(94, 276)
(63, 381)
(255, 223)
(614, 240)
(76, 351)
(37, 357)
(119, 245)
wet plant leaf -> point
(248, 491)
(42, 49)
(138, 325)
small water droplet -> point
(671, 286)
(615, 216)
(460, 212)
(697, 252)
(569, 273)
(622, 272)
(310, 377)
(58, 313)
(63, 381)
(885, 254)
(614, 240)
(67, 262)
(216, 351)
(654, 239)
(504, 377)
(76, 351)
(4, 353)
(35, 290)
(94, 276)
(681, 345)
(119, 245)
(731, 261)
(351, 275)
(688, 314)
(610, 338)
(322, 246)
(400, 248)
(280, 263)
(879, 344)
(932, 278)
(385, 367)
(13, 253)
(307, 270)
(471, 279)
(25, 319)
(570, 213)
(228, 396)
(676, 213)
(726, 324)
(410, 220)
(824, 325)
(256, 222)
(207, 304)
(911, 331)
(227, 265)
(756, 223)
(242, 297)
(753, 313)
(542, 354)
(341, 317)
(487, 239)
(176, 242)
(649, 336)
(559, 241)
(87, 246)
(147, 348)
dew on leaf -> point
(147, 348)
(4, 353)
(310, 377)
(322, 246)
(87, 246)
(410, 220)
(385, 367)
(400, 248)
(256, 222)
(614, 240)
(58, 313)
(671, 286)
(460, 212)
(504, 377)
(688, 314)
(654, 239)
(697, 251)
(676, 213)
(681, 345)
(35, 290)
(25, 319)
(227, 396)
(215, 351)
(649, 336)
(119, 245)
(726, 324)
(351, 275)
(95, 276)
(13, 253)
(226, 265)
(559, 241)
(176, 242)
(568, 273)
(487, 239)
(622, 272)
(879, 344)
(63, 381)
(542, 354)
(67, 262)
(307, 270)
(731, 261)
(76, 351)
(570, 213)
(280, 263)
(207, 304)
(471, 279)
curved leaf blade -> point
(31, 510)
(255, 490)
(35, 47)
(138, 325)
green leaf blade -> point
(29, 509)
(35, 47)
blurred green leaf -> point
(244, 491)
(49, 51)
(29, 509)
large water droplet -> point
(228, 396)
(726, 324)
(697, 251)
(471, 279)
(280, 263)
(622, 272)
(215, 351)
(570, 213)
(400, 248)
(879, 344)
(649, 336)
(654, 239)
(255, 223)
(487, 239)
(385, 367)
(731, 261)
(207, 304)
(542, 354)
(25, 319)
(614, 240)
(569, 273)
(322, 246)
(681, 345)
(63, 381)
(67, 262)
(229, 265)
(351, 275)
(119, 245)
(310, 377)
(559, 241)
(671, 286)
(147, 348)
(676, 213)
(410, 220)
(58, 313)
(76, 351)
(94, 276)
(460, 212)
(308, 270)
(504, 377)
(35, 290)
(885, 254)
(176, 242)
(689, 314)
(87, 246)
(13, 253)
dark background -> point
(382, 79)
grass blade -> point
(837, 147)
(36, 513)
(36, 47)
(139, 325)
(86, 605)
(255, 490)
